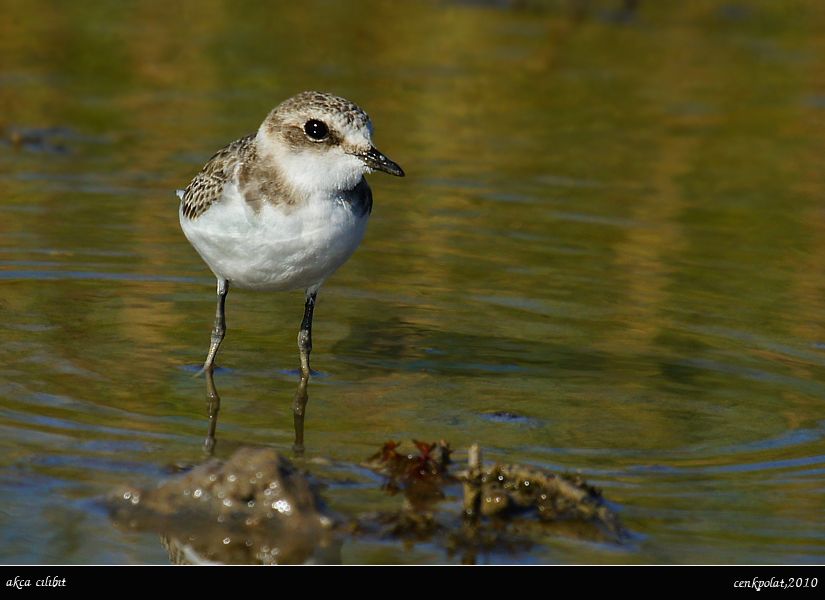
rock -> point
(510, 491)
(254, 508)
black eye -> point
(316, 130)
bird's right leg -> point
(218, 329)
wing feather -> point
(207, 186)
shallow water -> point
(612, 227)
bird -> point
(283, 208)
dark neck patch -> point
(360, 198)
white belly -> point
(275, 248)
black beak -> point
(376, 160)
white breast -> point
(277, 247)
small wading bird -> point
(283, 208)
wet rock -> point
(506, 508)
(420, 474)
(258, 508)
(519, 491)
(254, 508)
(429, 460)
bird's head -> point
(321, 142)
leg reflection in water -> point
(304, 350)
(213, 407)
(298, 410)
(213, 401)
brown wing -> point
(207, 186)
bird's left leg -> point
(218, 329)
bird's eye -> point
(316, 130)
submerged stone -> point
(255, 507)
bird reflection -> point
(213, 407)
(298, 411)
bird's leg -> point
(305, 334)
(213, 401)
(218, 329)
(304, 348)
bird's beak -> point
(379, 162)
